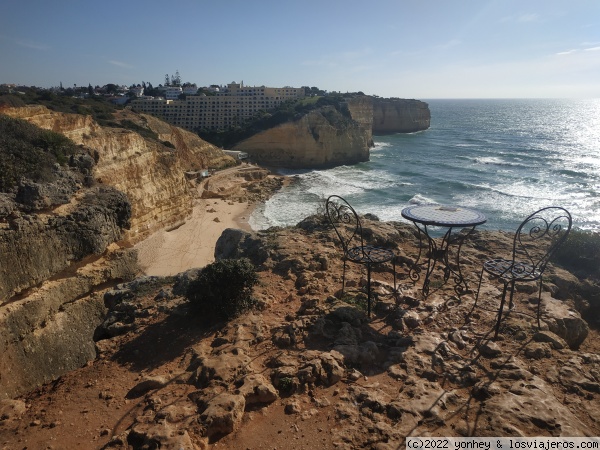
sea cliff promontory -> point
(393, 115)
(328, 136)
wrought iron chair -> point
(534, 243)
(347, 226)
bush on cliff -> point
(287, 111)
(29, 151)
(223, 289)
(581, 254)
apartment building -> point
(229, 106)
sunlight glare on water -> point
(506, 158)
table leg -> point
(440, 253)
(415, 271)
(460, 283)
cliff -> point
(329, 137)
(58, 238)
(54, 255)
(322, 138)
(307, 368)
(151, 174)
(400, 116)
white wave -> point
(380, 146)
(419, 199)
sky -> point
(390, 48)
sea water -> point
(505, 158)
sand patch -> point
(193, 243)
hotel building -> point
(229, 106)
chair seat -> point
(512, 271)
(368, 254)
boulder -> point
(223, 414)
(564, 321)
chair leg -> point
(344, 277)
(369, 290)
(501, 310)
(539, 306)
(511, 305)
(476, 295)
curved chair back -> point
(344, 220)
(538, 237)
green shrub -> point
(29, 151)
(223, 289)
(580, 253)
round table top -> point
(446, 216)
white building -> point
(229, 106)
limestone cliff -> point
(329, 137)
(58, 239)
(394, 115)
(150, 173)
(322, 138)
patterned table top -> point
(446, 216)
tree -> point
(176, 80)
(90, 90)
(111, 88)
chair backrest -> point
(344, 220)
(540, 235)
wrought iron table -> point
(450, 217)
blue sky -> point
(402, 48)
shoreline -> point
(192, 245)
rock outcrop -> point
(58, 239)
(327, 137)
(394, 115)
(36, 247)
(57, 248)
(322, 138)
(150, 173)
(50, 331)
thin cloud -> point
(567, 52)
(523, 18)
(32, 44)
(573, 51)
(532, 17)
(120, 64)
(451, 43)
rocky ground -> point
(306, 370)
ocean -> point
(505, 158)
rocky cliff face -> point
(53, 258)
(400, 116)
(327, 138)
(321, 138)
(308, 367)
(150, 173)
(58, 240)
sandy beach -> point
(192, 244)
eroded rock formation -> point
(321, 138)
(58, 239)
(400, 116)
(151, 174)
(327, 137)
(306, 366)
